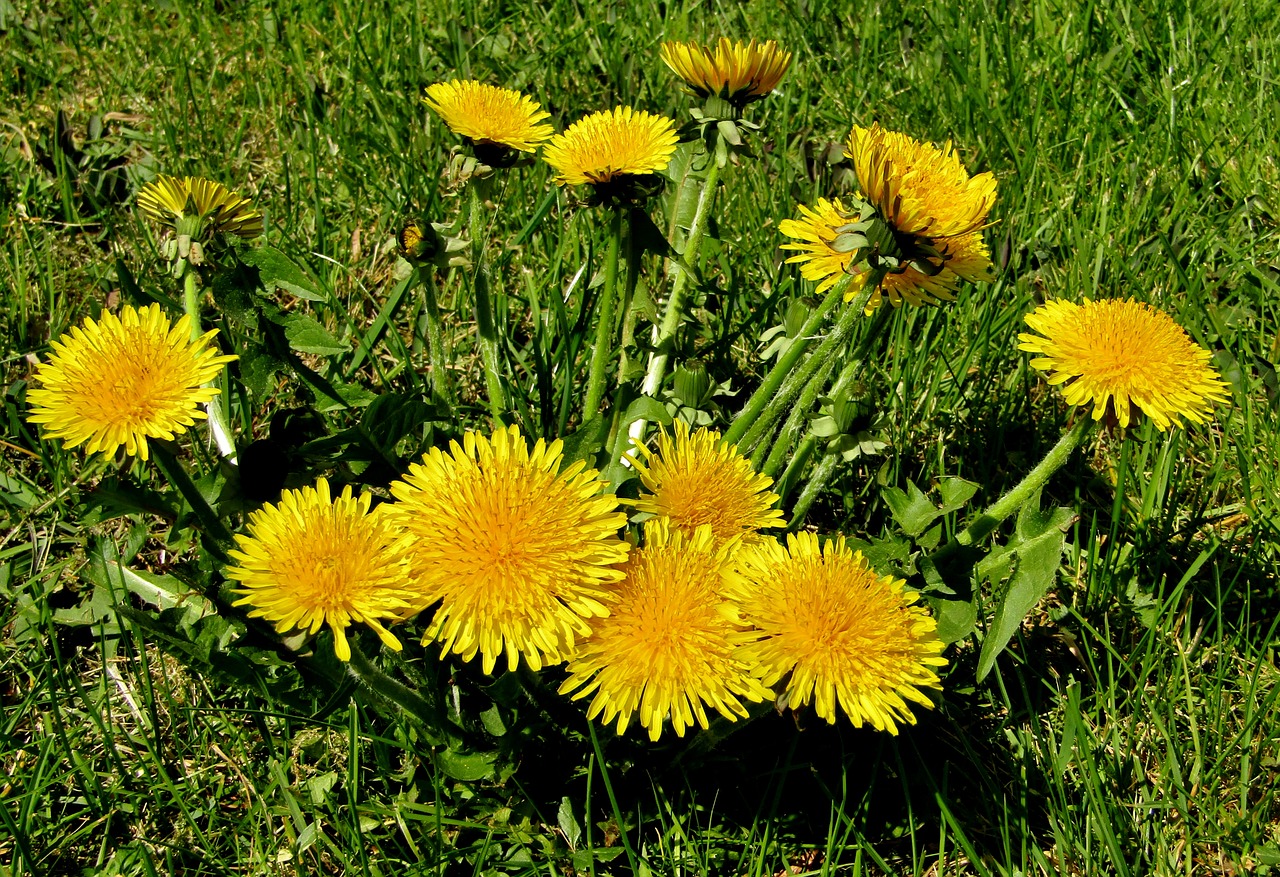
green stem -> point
(784, 485)
(997, 512)
(437, 355)
(217, 419)
(634, 253)
(210, 523)
(603, 349)
(827, 357)
(783, 367)
(665, 333)
(779, 398)
(804, 452)
(191, 298)
(397, 693)
(488, 337)
(821, 475)
(632, 858)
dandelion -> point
(520, 554)
(918, 223)
(919, 189)
(696, 479)
(1121, 355)
(837, 632)
(734, 71)
(493, 119)
(311, 561)
(666, 650)
(118, 381)
(194, 206)
(609, 147)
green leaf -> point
(306, 335)
(467, 766)
(956, 618)
(1033, 559)
(586, 442)
(568, 824)
(278, 271)
(955, 492)
(913, 512)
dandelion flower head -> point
(606, 146)
(736, 71)
(310, 561)
(667, 649)
(838, 633)
(195, 206)
(488, 115)
(919, 189)
(119, 380)
(695, 479)
(520, 554)
(1121, 355)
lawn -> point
(1109, 699)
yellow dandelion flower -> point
(607, 146)
(736, 71)
(814, 237)
(310, 561)
(520, 553)
(194, 206)
(695, 479)
(118, 381)
(836, 631)
(488, 115)
(1123, 354)
(919, 189)
(666, 650)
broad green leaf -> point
(278, 271)
(306, 335)
(1033, 560)
(956, 618)
(467, 766)
(913, 512)
(586, 442)
(568, 824)
(955, 492)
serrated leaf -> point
(164, 592)
(1035, 562)
(278, 271)
(306, 335)
(885, 554)
(955, 492)
(913, 511)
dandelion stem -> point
(767, 403)
(603, 349)
(997, 512)
(827, 357)
(664, 334)
(437, 355)
(397, 693)
(217, 420)
(488, 337)
(634, 252)
(210, 523)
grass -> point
(1130, 728)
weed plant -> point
(1123, 722)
